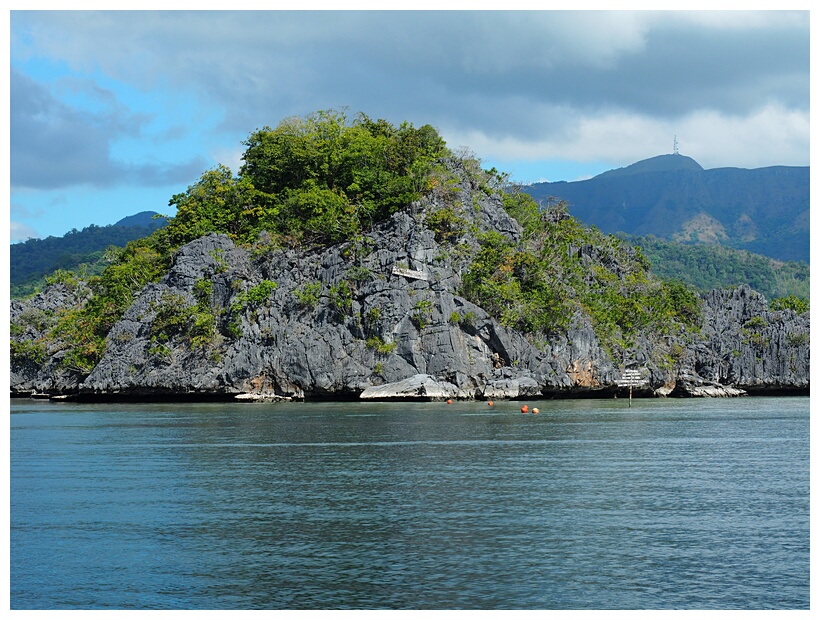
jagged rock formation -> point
(38, 368)
(381, 317)
(744, 344)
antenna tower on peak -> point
(675, 146)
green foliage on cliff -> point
(78, 251)
(319, 179)
(177, 321)
(315, 180)
(562, 267)
(790, 302)
(255, 296)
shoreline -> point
(604, 394)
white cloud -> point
(587, 85)
(772, 135)
(741, 20)
(230, 157)
(21, 232)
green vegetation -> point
(81, 252)
(797, 340)
(373, 315)
(422, 312)
(254, 296)
(320, 179)
(790, 302)
(174, 318)
(752, 332)
(380, 346)
(317, 180)
(561, 268)
(24, 352)
(308, 295)
(341, 298)
(447, 224)
(81, 330)
(359, 274)
(37, 319)
(715, 266)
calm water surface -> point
(588, 505)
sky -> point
(112, 113)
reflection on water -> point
(590, 504)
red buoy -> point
(525, 409)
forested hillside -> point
(31, 261)
(714, 266)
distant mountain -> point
(34, 259)
(661, 163)
(762, 210)
(143, 218)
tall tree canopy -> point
(318, 179)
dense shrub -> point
(320, 179)
(561, 268)
(791, 302)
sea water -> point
(667, 504)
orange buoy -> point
(525, 409)
(449, 401)
(535, 409)
(489, 403)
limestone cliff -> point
(382, 317)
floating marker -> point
(535, 410)
(489, 403)
(449, 401)
(525, 409)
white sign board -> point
(631, 378)
(409, 273)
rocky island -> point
(358, 260)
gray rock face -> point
(380, 317)
(745, 345)
(383, 310)
(39, 369)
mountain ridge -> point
(659, 163)
(762, 210)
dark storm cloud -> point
(500, 72)
(56, 145)
(525, 77)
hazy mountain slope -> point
(764, 210)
